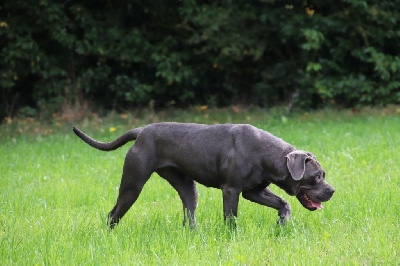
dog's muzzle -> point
(313, 204)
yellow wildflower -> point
(310, 11)
(112, 129)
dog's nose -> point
(330, 190)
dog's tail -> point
(110, 146)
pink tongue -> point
(317, 205)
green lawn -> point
(56, 191)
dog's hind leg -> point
(187, 191)
(135, 174)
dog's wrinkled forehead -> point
(313, 159)
(302, 163)
(312, 163)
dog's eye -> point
(318, 177)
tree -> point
(264, 52)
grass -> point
(55, 193)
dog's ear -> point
(296, 163)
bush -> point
(264, 52)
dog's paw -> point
(284, 214)
(283, 220)
(111, 223)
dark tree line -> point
(120, 54)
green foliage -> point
(121, 54)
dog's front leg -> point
(267, 198)
(230, 202)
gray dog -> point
(234, 158)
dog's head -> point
(307, 180)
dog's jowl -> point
(234, 158)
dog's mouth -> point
(308, 203)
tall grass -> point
(55, 193)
